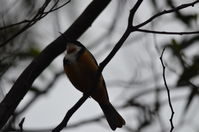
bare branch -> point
(39, 15)
(168, 91)
(15, 24)
(21, 124)
(123, 38)
(183, 6)
(132, 13)
(167, 32)
(70, 113)
(57, 8)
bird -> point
(81, 67)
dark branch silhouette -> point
(168, 32)
(183, 6)
(21, 125)
(168, 91)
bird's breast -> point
(82, 72)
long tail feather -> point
(114, 119)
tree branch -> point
(168, 91)
(70, 113)
(21, 125)
(167, 32)
(166, 12)
(123, 38)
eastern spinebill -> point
(81, 67)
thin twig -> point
(124, 36)
(57, 8)
(167, 32)
(183, 6)
(68, 115)
(168, 91)
(15, 24)
(28, 23)
(132, 13)
(44, 5)
(21, 124)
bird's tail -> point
(114, 119)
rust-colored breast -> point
(82, 75)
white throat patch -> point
(72, 57)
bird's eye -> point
(66, 62)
